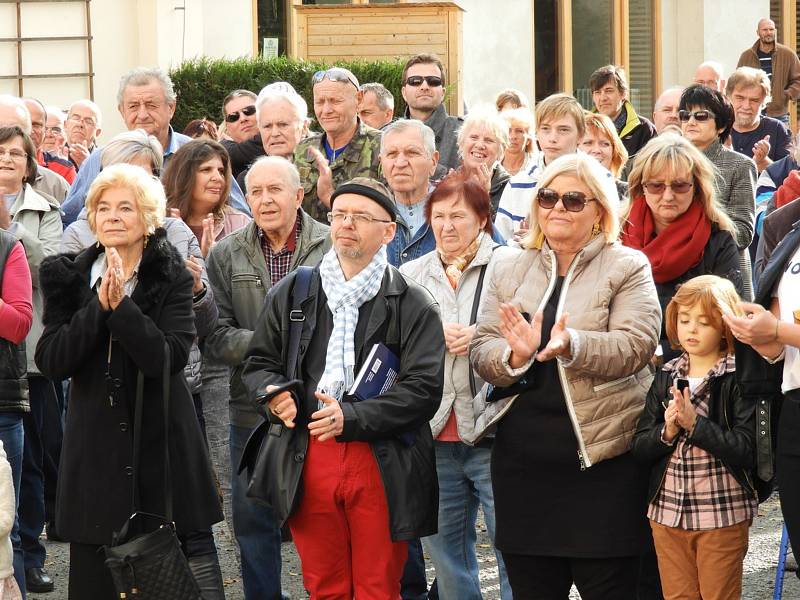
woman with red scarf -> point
(675, 218)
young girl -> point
(701, 445)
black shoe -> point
(38, 581)
(51, 532)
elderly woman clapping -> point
(482, 142)
(114, 315)
(567, 328)
(459, 215)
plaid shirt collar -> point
(291, 241)
(680, 366)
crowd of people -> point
(357, 331)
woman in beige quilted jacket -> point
(565, 334)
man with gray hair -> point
(710, 75)
(83, 125)
(146, 100)
(242, 268)
(665, 110)
(377, 105)
(14, 112)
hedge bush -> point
(202, 83)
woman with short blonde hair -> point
(520, 153)
(602, 142)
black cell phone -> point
(295, 386)
(682, 384)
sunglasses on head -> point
(247, 111)
(335, 74)
(677, 187)
(431, 80)
(699, 115)
(571, 201)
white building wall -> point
(695, 31)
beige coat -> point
(456, 307)
(615, 321)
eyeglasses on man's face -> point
(339, 217)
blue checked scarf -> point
(344, 299)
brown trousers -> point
(697, 565)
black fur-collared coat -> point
(95, 482)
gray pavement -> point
(759, 566)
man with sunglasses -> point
(146, 100)
(345, 149)
(423, 90)
(609, 87)
(239, 110)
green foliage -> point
(202, 83)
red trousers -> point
(341, 528)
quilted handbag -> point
(145, 557)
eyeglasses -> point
(699, 115)
(571, 201)
(54, 130)
(355, 218)
(247, 111)
(13, 154)
(431, 80)
(335, 74)
(88, 121)
(677, 187)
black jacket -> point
(13, 362)
(728, 433)
(720, 257)
(408, 473)
(95, 479)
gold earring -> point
(145, 241)
(596, 230)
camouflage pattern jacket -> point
(361, 158)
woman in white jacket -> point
(459, 213)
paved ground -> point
(759, 565)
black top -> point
(779, 138)
(544, 504)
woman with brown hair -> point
(197, 182)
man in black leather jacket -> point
(355, 468)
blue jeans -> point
(12, 435)
(256, 530)
(464, 482)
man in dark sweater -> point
(762, 138)
(610, 96)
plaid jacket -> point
(698, 492)
(361, 158)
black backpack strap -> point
(300, 291)
(472, 319)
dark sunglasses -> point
(572, 201)
(699, 115)
(335, 74)
(431, 80)
(247, 111)
(677, 187)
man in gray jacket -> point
(423, 90)
(242, 269)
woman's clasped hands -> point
(525, 338)
(112, 286)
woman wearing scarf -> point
(457, 274)
(676, 219)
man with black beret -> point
(368, 481)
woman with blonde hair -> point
(602, 142)
(676, 219)
(520, 153)
(565, 334)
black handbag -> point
(274, 453)
(145, 557)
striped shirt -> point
(515, 202)
(698, 492)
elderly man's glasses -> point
(572, 201)
(247, 111)
(88, 121)
(13, 154)
(431, 80)
(677, 187)
(54, 130)
(355, 218)
(335, 74)
(699, 115)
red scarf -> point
(677, 248)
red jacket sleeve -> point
(16, 310)
(789, 189)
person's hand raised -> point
(523, 338)
(325, 180)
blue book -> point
(378, 374)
